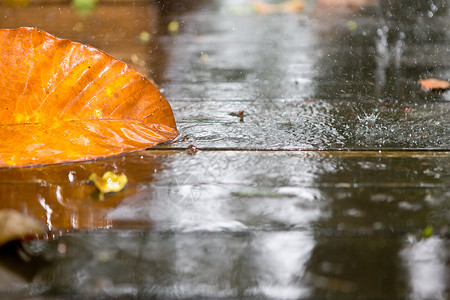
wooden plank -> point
(164, 183)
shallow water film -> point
(310, 164)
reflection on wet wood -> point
(60, 196)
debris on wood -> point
(240, 114)
(192, 150)
(109, 182)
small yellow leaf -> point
(15, 226)
(109, 182)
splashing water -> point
(382, 46)
(368, 119)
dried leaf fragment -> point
(433, 84)
(192, 150)
(240, 114)
(110, 182)
(15, 226)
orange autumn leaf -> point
(63, 101)
(431, 84)
(283, 7)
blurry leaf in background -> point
(284, 7)
(433, 84)
(428, 231)
(62, 101)
(84, 7)
(15, 225)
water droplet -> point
(62, 248)
(71, 176)
(433, 8)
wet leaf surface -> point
(63, 101)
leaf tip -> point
(15, 225)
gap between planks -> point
(336, 152)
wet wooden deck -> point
(323, 189)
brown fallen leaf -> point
(433, 84)
(237, 114)
(62, 101)
(284, 7)
(240, 114)
(15, 226)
